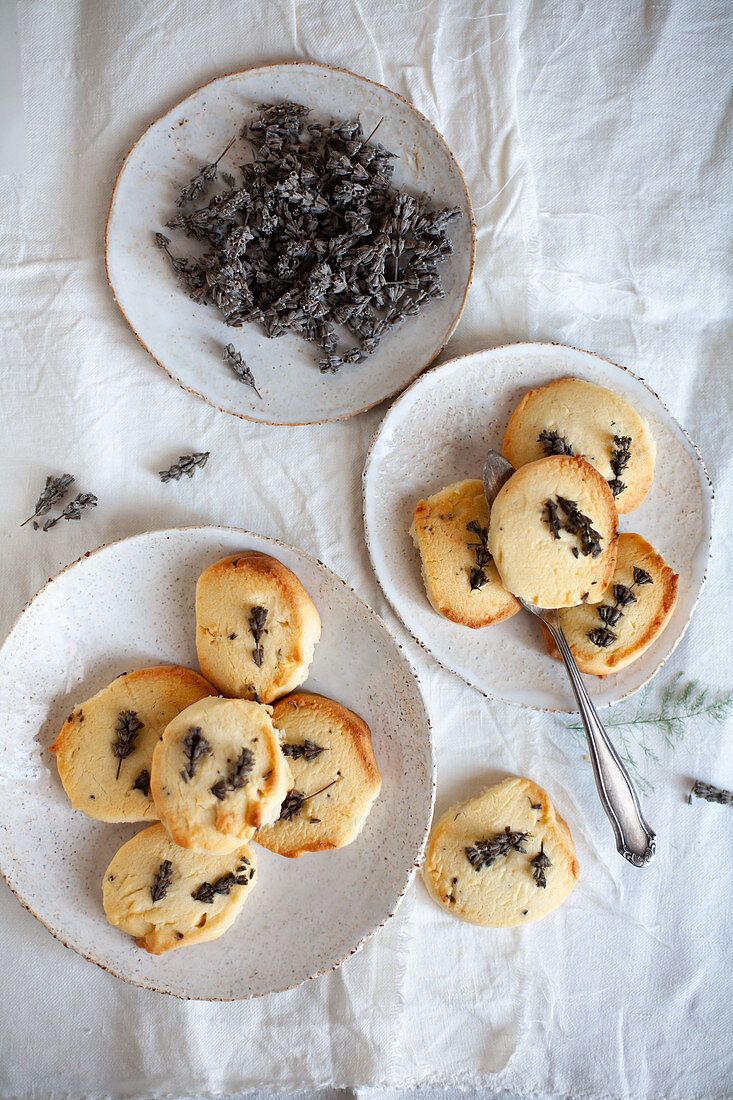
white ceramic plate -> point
(187, 339)
(129, 605)
(439, 431)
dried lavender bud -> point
(294, 801)
(483, 853)
(162, 881)
(554, 444)
(142, 783)
(307, 751)
(579, 524)
(609, 614)
(623, 595)
(237, 777)
(127, 729)
(257, 620)
(73, 510)
(477, 576)
(620, 454)
(195, 748)
(553, 519)
(240, 368)
(207, 891)
(540, 863)
(55, 490)
(187, 464)
(602, 637)
(641, 576)
(711, 793)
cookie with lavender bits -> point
(218, 773)
(256, 627)
(501, 859)
(105, 746)
(167, 897)
(573, 417)
(636, 607)
(450, 531)
(335, 776)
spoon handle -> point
(634, 838)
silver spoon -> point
(634, 839)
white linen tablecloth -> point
(595, 142)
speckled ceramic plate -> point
(187, 339)
(129, 605)
(439, 431)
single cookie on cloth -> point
(218, 773)
(578, 418)
(105, 746)
(256, 627)
(501, 859)
(636, 608)
(335, 776)
(167, 897)
(553, 532)
(450, 530)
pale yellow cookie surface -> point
(105, 746)
(476, 871)
(607, 637)
(218, 774)
(167, 897)
(593, 421)
(329, 749)
(450, 530)
(552, 532)
(256, 627)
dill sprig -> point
(679, 705)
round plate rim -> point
(447, 335)
(531, 345)
(57, 934)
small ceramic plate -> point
(439, 431)
(129, 605)
(187, 339)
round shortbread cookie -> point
(256, 627)
(105, 746)
(573, 417)
(552, 533)
(636, 608)
(218, 774)
(501, 859)
(335, 776)
(450, 530)
(167, 897)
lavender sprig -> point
(198, 184)
(55, 490)
(234, 359)
(187, 464)
(710, 793)
(73, 510)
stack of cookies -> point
(582, 456)
(214, 763)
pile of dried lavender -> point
(315, 237)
